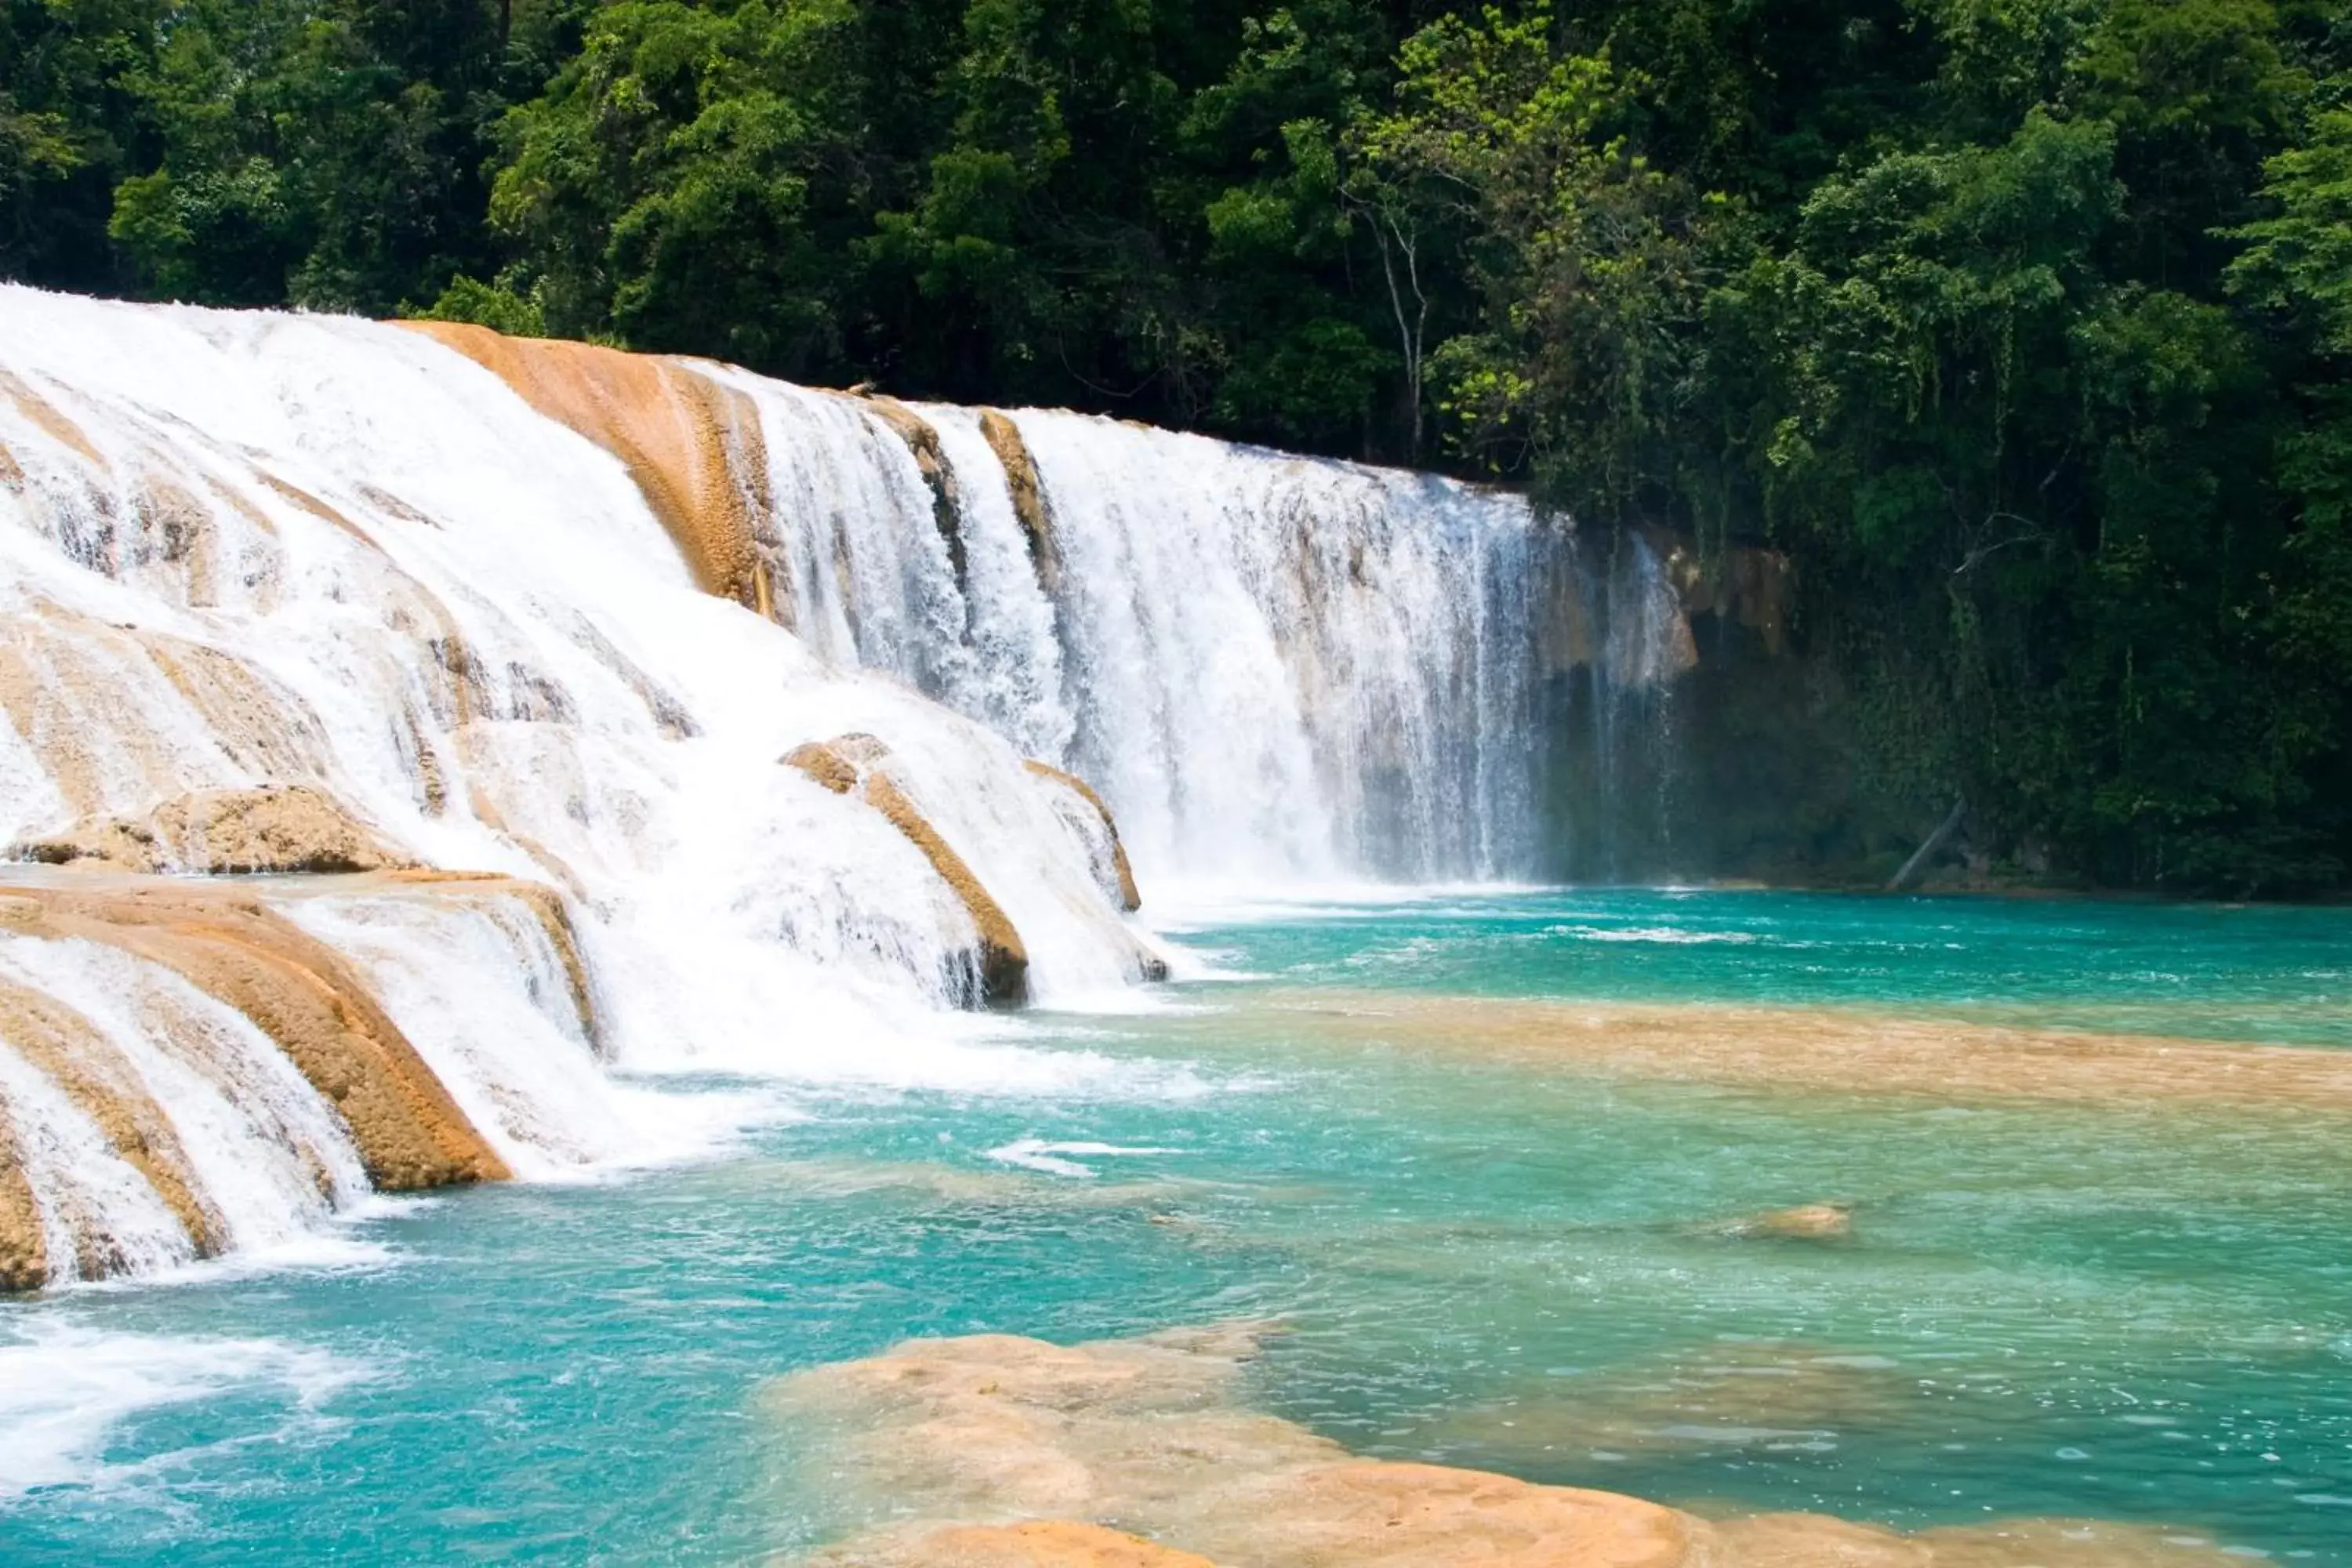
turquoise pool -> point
(2118, 1311)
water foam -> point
(66, 1388)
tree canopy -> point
(2021, 325)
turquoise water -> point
(2204, 971)
(2140, 1313)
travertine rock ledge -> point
(1014, 1453)
(273, 829)
(691, 443)
(226, 939)
(1120, 877)
(857, 765)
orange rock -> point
(1806, 1222)
(73, 1054)
(1368, 1514)
(1122, 875)
(931, 462)
(1841, 1051)
(857, 764)
(300, 993)
(24, 1245)
(1028, 493)
(1147, 1434)
(692, 444)
(1038, 1543)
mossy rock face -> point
(858, 765)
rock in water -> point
(692, 445)
(1806, 1222)
(302, 995)
(1028, 493)
(1083, 1444)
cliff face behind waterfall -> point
(641, 712)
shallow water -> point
(2258, 971)
(2139, 1311)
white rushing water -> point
(1274, 667)
(244, 549)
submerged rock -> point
(1806, 1222)
(857, 765)
(1757, 1396)
(1014, 1453)
(273, 829)
(1779, 1051)
(1038, 1543)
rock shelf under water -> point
(1002, 1452)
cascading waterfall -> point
(474, 607)
(90, 1034)
(1274, 667)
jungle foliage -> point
(2021, 325)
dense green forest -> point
(2019, 324)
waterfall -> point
(434, 602)
(89, 1035)
(1273, 668)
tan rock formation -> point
(1745, 584)
(93, 702)
(300, 993)
(858, 765)
(554, 915)
(1750, 586)
(692, 444)
(1039, 1544)
(303, 500)
(258, 723)
(43, 416)
(1811, 1541)
(1833, 1049)
(1565, 637)
(1121, 878)
(1015, 1453)
(73, 1054)
(1806, 1222)
(270, 829)
(1004, 439)
(23, 1248)
(178, 529)
(939, 475)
